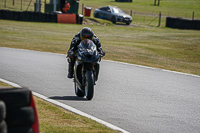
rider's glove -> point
(103, 53)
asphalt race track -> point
(136, 98)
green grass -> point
(165, 48)
(144, 12)
(2, 85)
(171, 7)
(57, 120)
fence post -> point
(21, 4)
(5, 4)
(158, 2)
(40, 6)
(155, 3)
(131, 13)
(193, 15)
(82, 8)
(159, 22)
(54, 5)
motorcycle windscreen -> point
(87, 51)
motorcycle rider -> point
(85, 33)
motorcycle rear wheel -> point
(78, 92)
(89, 86)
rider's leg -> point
(97, 66)
(71, 67)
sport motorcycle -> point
(86, 68)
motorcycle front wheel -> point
(78, 92)
(89, 85)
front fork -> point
(95, 69)
(83, 76)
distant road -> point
(135, 98)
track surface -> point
(135, 98)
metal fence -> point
(159, 18)
(146, 19)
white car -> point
(113, 14)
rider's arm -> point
(75, 41)
(98, 44)
(96, 41)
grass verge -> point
(57, 120)
(164, 48)
(2, 84)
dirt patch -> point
(91, 22)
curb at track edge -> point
(69, 108)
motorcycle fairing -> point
(87, 51)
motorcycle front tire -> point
(89, 86)
(78, 92)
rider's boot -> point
(71, 68)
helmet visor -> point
(86, 37)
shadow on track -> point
(70, 98)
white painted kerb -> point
(69, 108)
